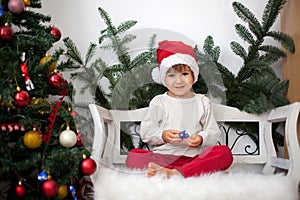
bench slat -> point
(280, 163)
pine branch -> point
(281, 87)
(99, 66)
(72, 51)
(208, 45)
(116, 42)
(228, 77)
(152, 42)
(257, 105)
(141, 59)
(253, 69)
(278, 100)
(286, 40)
(90, 53)
(247, 16)
(104, 15)
(272, 49)
(272, 54)
(124, 26)
(210, 50)
(270, 13)
(238, 50)
(125, 40)
(244, 34)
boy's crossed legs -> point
(212, 159)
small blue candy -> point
(183, 134)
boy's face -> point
(180, 83)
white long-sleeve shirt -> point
(193, 115)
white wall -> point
(191, 21)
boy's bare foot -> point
(153, 169)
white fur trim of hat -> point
(171, 53)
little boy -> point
(180, 124)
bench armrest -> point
(288, 114)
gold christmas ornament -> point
(62, 191)
(26, 2)
(47, 59)
(32, 139)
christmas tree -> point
(41, 149)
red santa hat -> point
(170, 53)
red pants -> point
(212, 159)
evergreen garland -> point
(255, 88)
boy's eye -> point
(185, 73)
(170, 75)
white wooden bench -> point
(107, 139)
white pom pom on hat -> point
(170, 53)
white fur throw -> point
(113, 184)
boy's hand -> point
(194, 141)
(171, 136)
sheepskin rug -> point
(118, 184)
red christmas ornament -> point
(56, 33)
(20, 191)
(64, 89)
(21, 98)
(16, 6)
(49, 188)
(56, 80)
(6, 32)
(88, 166)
